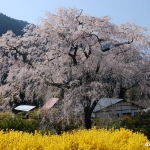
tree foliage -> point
(82, 56)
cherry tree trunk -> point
(87, 117)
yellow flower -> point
(93, 139)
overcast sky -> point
(137, 11)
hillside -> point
(7, 23)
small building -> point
(24, 108)
(115, 107)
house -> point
(115, 107)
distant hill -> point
(7, 23)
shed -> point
(115, 107)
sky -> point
(121, 11)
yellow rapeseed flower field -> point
(93, 139)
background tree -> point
(85, 57)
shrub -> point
(63, 125)
(34, 114)
(10, 121)
(4, 115)
(140, 123)
(19, 124)
(81, 140)
(51, 120)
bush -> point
(51, 120)
(19, 124)
(34, 114)
(63, 125)
(4, 115)
(81, 140)
(10, 121)
(140, 123)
